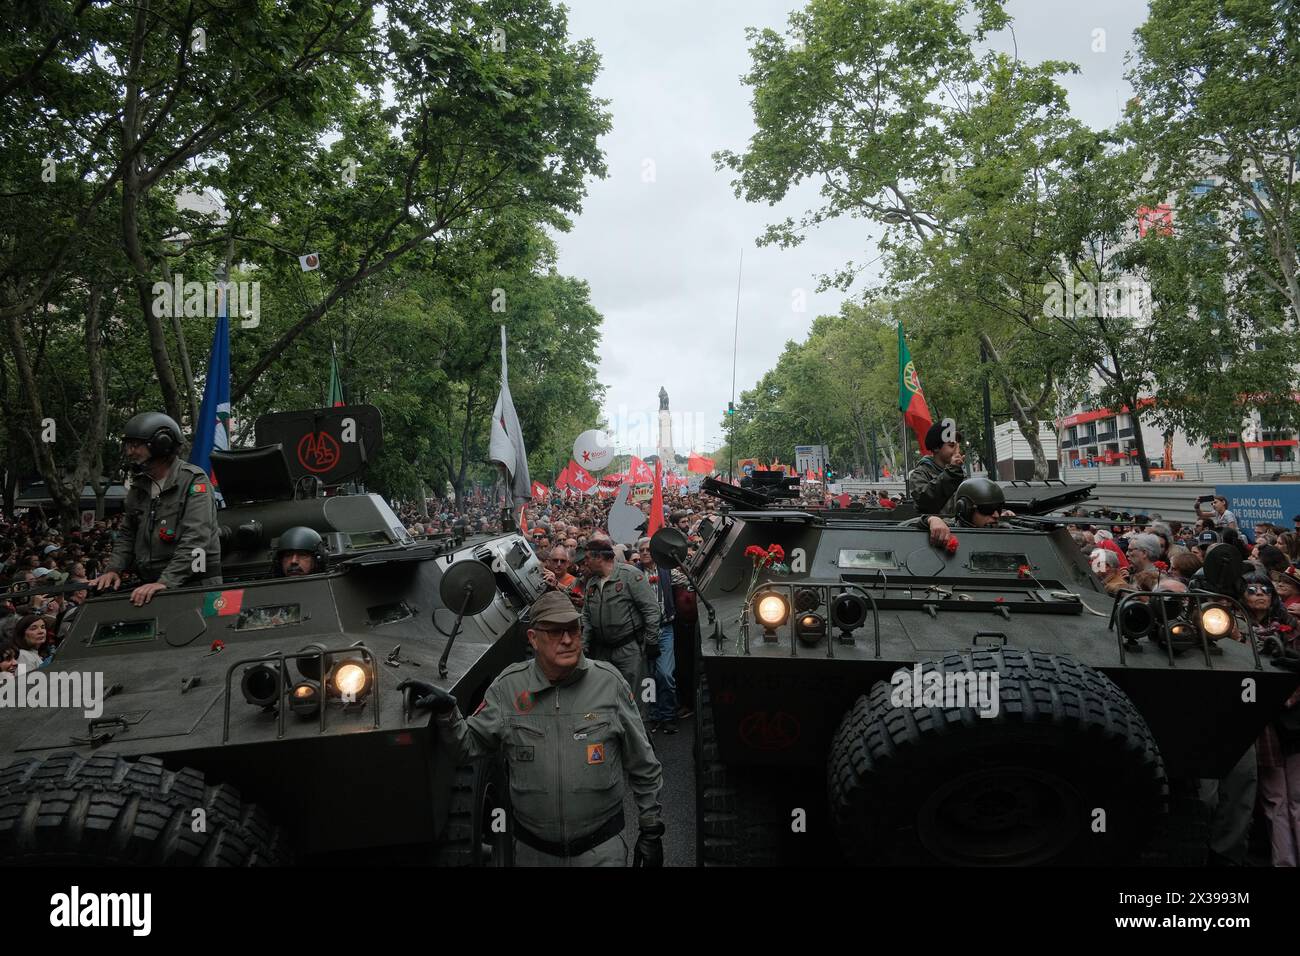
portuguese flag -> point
(911, 400)
(222, 603)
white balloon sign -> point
(593, 450)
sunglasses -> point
(1258, 589)
(988, 510)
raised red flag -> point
(639, 472)
(580, 478)
(656, 502)
(699, 464)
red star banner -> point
(639, 472)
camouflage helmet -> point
(298, 538)
(976, 493)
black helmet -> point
(975, 493)
(160, 433)
(298, 538)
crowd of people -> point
(1128, 552)
(34, 552)
(1144, 553)
(569, 536)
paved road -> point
(676, 753)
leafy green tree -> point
(280, 119)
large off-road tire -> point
(1067, 771)
(469, 838)
(103, 809)
(739, 818)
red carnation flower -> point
(951, 546)
(1023, 570)
(1285, 628)
(217, 645)
(1161, 566)
(754, 551)
(776, 551)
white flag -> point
(310, 261)
(507, 443)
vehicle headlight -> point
(1136, 619)
(848, 611)
(350, 680)
(1216, 621)
(810, 627)
(304, 699)
(771, 610)
(261, 685)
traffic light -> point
(731, 408)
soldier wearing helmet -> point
(169, 534)
(979, 503)
(299, 551)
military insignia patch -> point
(595, 753)
(618, 586)
(198, 488)
(524, 701)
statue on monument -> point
(663, 399)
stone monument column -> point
(665, 448)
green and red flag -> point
(911, 400)
(222, 603)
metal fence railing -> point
(1202, 471)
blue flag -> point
(213, 427)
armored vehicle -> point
(261, 721)
(868, 696)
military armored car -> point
(260, 722)
(870, 697)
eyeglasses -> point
(555, 633)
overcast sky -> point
(661, 256)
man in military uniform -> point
(978, 502)
(169, 525)
(299, 551)
(620, 615)
(570, 729)
(934, 480)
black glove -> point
(426, 695)
(652, 651)
(650, 847)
